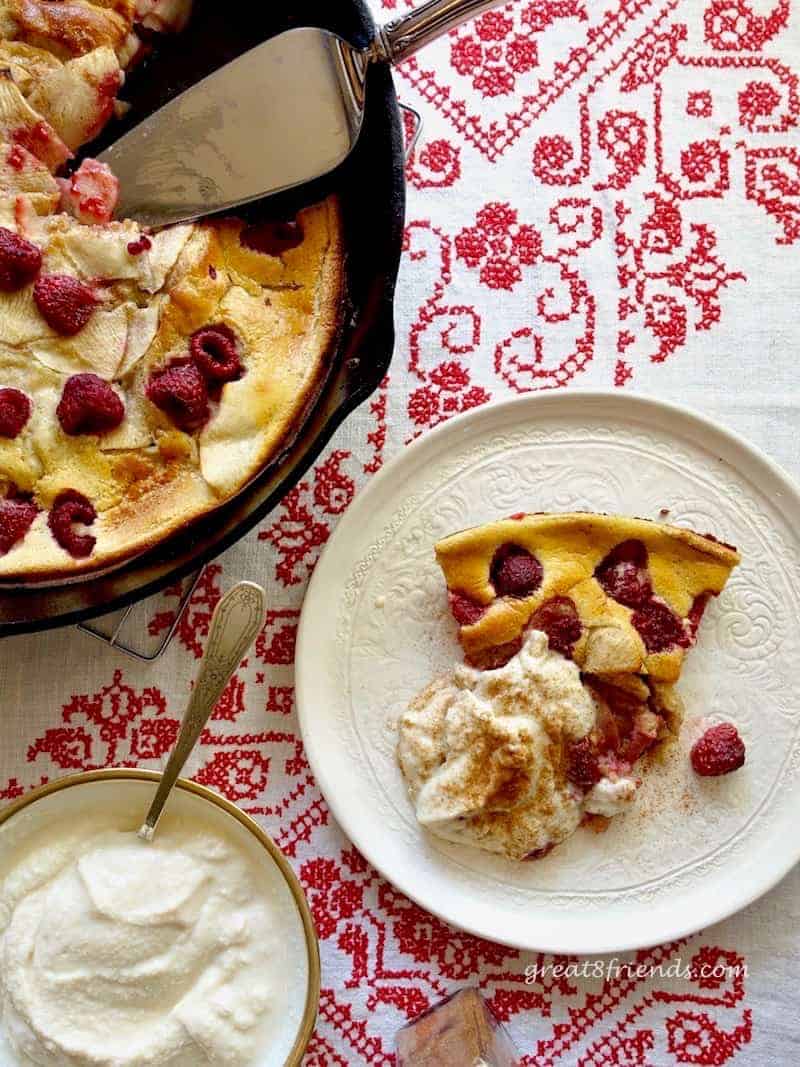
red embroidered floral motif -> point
(700, 104)
(240, 774)
(577, 224)
(333, 488)
(427, 940)
(106, 728)
(449, 392)
(552, 155)
(702, 161)
(694, 1037)
(660, 292)
(499, 245)
(491, 136)
(701, 276)
(70, 747)
(437, 165)
(493, 54)
(154, 738)
(733, 25)
(665, 317)
(296, 535)
(758, 100)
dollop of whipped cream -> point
(483, 754)
(117, 952)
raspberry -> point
(659, 627)
(135, 248)
(624, 705)
(695, 616)
(65, 303)
(180, 392)
(16, 517)
(17, 157)
(644, 734)
(623, 574)
(272, 238)
(15, 410)
(466, 611)
(20, 261)
(213, 348)
(582, 766)
(42, 141)
(71, 507)
(91, 193)
(89, 405)
(719, 751)
(515, 572)
(559, 619)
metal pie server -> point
(286, 112)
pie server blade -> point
(284, 113)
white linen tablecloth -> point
(604, 194)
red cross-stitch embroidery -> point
(297, 534)
(586, 190)
(117, 725)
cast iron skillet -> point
(371, 189)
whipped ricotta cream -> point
(121, 953)
(482, 754)
(609, 797)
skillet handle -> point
(402, 37)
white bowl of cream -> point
(196, 948)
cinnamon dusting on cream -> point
(483, 753)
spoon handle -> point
(237, 619)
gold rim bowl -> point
(312, 944)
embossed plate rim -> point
(544, 932)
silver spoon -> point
(237, 619)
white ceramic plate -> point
(375, 628)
